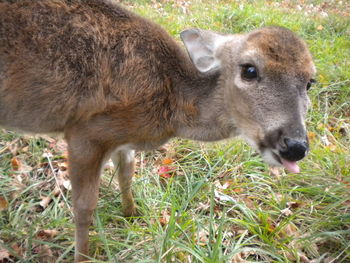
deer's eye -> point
(309, 84)
(249, 72)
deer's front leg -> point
(124, 162)
(85, 161)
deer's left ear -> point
(202, 45)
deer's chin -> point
(271, 158)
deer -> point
(113, 82)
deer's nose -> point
(294, 149)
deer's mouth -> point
(273, 158)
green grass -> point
(224, 205)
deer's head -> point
(265, 76)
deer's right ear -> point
(202, 45)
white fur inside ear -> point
(202, 46)
(206, 63)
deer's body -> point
(114, 82)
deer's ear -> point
(202, 45)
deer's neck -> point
(201, 111)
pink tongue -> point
(291, 166)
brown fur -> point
(113, 82)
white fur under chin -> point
(267, 154)
(268, 157)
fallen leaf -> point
(311, 135)
(4, 255)
(167, 161)
(202, 237)
(294, 205)
(3, 203)
(205, 206)
(47, 199)
(347, 203)
(45, 253)
(238, 258)
(17, 249)
(59, 147)
(166, 171)
(47, 138)
(275, 171)
(271, 226)
(67, 185)
(15, 163)
(304, 258)
(227, 184)
(290, 230)
(286, 212)
(247, 201)
(63, 166)
(12, 147)
(238, 190)
(47, 234)
(19, 166)
(165, 217)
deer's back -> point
(61, 62)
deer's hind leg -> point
(124, 162)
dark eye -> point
(249, 72)
(309, 84)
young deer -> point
(114, 82)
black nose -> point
(294, 150)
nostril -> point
(294, 150)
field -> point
(200, 202)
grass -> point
(223, 205)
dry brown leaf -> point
(291, 230)
(294, 205)
(63, 179)
(203, 206)
(15, 163)
(238, 190)
(59, 147)
(47, 199)
(12, 147)
(311, 135)
(67, 184)
(303, 258)
(47, 234)
(165, 217)
(167, 161)
(202, 237)
(275, 171)
(4, 255)
(19, 166)
(166, 171)
(347, 203)
(238, 258)
(47, 138)
(227, 184)
(17, 185)
(45, 253)
(17, 249)
(3, 203)
(286, 212)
